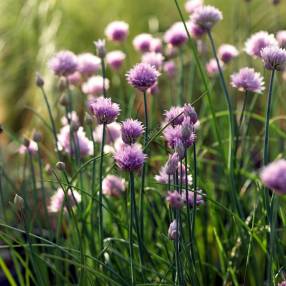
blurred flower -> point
(175, 200)
(131, 130)
(115, 59)
(189, 198)
(189, 111)
(83, 144)
(113, 132)
(39, 80)
(275, 2)
(212, 67)
(195, 30)
(113, 186)
(153, 59)
(274, 58)
(257, 42)
(29, 147)
(142, 76)
(100, 48)
(281, 38)
(61, 166)
(175, 115)
(172, 164)
(283, 283)
(94, 85)
(176, 35)
(88, 64)
(104, 110)
(227, 52)
(156, 45)
(248, 80)
(142, 42)
(73, 117)
(206, 17)
(18, 202)
(74, 79)
(130, 158)
(273, 176)
(172, 231)
(58, 199)
(154, 89)
(170, 68)
(117, 31)
(64, 63)
(192, 5)
(180, 149)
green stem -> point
(132, 199)
(103, 75)
(181, 78)
(100, 187)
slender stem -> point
(132, 199)
(243, 110)
(100, 187)
(103, 75)
(187, 196)
(181, 78)
(146, 136)
(231, 130)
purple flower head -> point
(187, 129)
(170, 69)
(64, 63)
(113, 132)
(172, 164)
(176, 35)
(212, 67)
(104, 110)
(117, 31)
(248, 80)
(31, 147)
(142, 42)
(192, 5)
(153, 59)
(156, 45)
(58, 199)
(131, 130)
(174, 200)
(113, 186)
(175, 115)
(283, 283)
(172, 231)
(274, 58)
(180, 149)
(190, 112)
(100, 48)
(281, 38)
(227, 52)
(130, 158)
(195, 30)
(94, 85)
(257, 42)
(88, 64)
(83, 144)
(172, 135)
(189, 198)
(273, 176)
(206, 17)
(115, 59)
(74, 79)
(142, 76)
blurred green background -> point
(32, 30)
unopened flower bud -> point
(172, 164)
(180, 149)
(172, 232)
(48, 169)
(37, 137)
(26, 142)
(64, 101)
(39, 80)
(61, 166)
(19, 202)
(100, 48)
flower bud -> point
(37, 137)
(100, 48)
(61, 166)
(180, 149)
(64, 101)
(48, 169)
(26, 142)
(19, 202)
(172, 232)
(172, 164)
(39, 80)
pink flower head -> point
(115, 59)
(227, 52)
(170, 68)
(212, 67)
(257, 42)
(190, 112)
(142, 76)
(174, 200)
(131, 130)
(117, 31)
(58, 199)
(176, 35)
(94, 85)
(32, 148)
(189, 198)
(104, 110)
(64, 63)
(172, 231)
(142, 42)
(113, 132)
(88, 64)
(206, 17)
(273, 176)
(130, 158)
(175, 115)
(153, 59)
(156, 45)
(172, 164)
(192, 5)
(248, 80)
(74, 79)
(274, 58)
(113, 186)
(281, 38)
(82, 144)
(195, 30)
